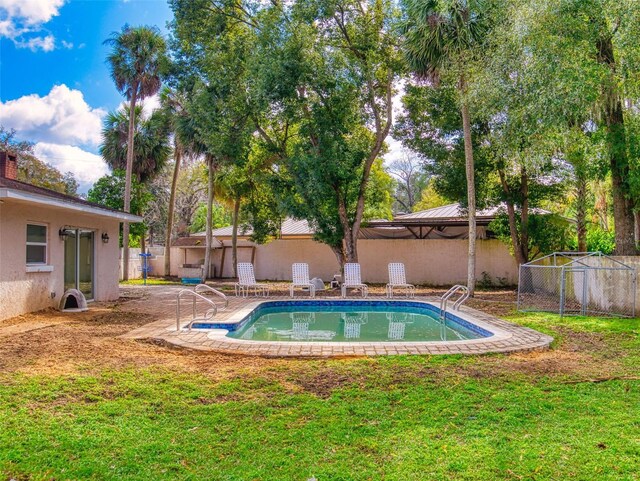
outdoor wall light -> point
(63, 233)
(105, 237)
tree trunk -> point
(516, 241)
(234, 236)
(601, 205)
(353, 229)
(349, 247)
(524, 214)
(622, 213)
(208, 237)
(127, 183)
(143, 242)
(351, 250)
(515, 237)
(340, 256)
(471, 193)
(171, 210)
(581, 211)
(616, 140)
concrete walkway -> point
(160, 302)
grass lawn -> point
(569, 413)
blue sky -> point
(55, 86)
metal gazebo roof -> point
(575, 259)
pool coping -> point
(507, 337)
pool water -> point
(348, 321)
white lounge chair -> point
(353, 280)
(398, 279)
(247, 281)
(300, 276)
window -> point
(36, 244)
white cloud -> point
(60, 117)
(21, 19)
(149, 104)
(85, 166)
(396, 150)
(46, 44)
(31, 12)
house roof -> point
(196, 240)
(27, 193)
(446, 215)
(290, 227)
(448, 212)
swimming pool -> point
(337, 321)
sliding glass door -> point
(79, 261)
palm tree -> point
(136, 59)
(441, 36)
(151, 144)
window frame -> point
(44, 244)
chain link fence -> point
(578, 283)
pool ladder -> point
(196, 295)
(448, 295)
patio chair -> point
(398, 279)
(300, 275)
(247, 281)
(353, 280)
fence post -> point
(634, 281)
(519, 279)
(585, 277)
(562, 293)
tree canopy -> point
(525, 106)
(33, 170)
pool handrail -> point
(203, 287)
(210, 314)
(450, 293)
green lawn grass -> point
(396, 418)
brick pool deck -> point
(159, 302)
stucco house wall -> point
(435, 262)
(22, 291)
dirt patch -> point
(323, 383)
(498, 303)
(571, 358)
(576, 341)
(545, 363)
(89, 342)
(52, 343)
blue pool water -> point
(349, 321)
